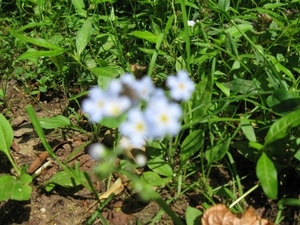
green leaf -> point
(191, 144)
(192, 216)
(63, 179)
(83, 36)
(290, 202)
(79, 6)
(243, 86)
(234, 31)
(6, 135)
(112, 122)
(10, 188)
(155, 149)
(36, 41)
(202, 96)
(230, 45)
(225, 192)
(267, 174)
(248, 129)
(244, 149)
(217, 152)
(224, 4)
(224, 89)
(105, 75)
(154, 179)
(273, 5)
(160, 166)
(283, 101)
(37, 54)
(145, 35)
(281, 127)
(297, 155)
(54, 122)
(39, 130)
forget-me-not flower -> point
(135, 127)
(181, 86)
(163, 118)
(145, 88)
(94, 105)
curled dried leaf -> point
(221, 215)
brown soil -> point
(75, 206)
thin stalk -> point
(244, 195)
(186, 35)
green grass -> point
(242, 56)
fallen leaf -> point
(221, 215)
(115, 189)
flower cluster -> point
(159, 117)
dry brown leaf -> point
(221, 215)
(116, 189)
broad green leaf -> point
(224, 89)
(103, 1)
(54, 122)
(283, 101)
(37, 54)
(236, 65)
(191, 144)
(192, 216)
(79, 6)
(106, 71)
(2, 95)
(6, 184)
(160, 166)
(286, 71)
(145, 35)
(267, 174)
(6, 135)
(36, 41)
(202, 96)
(235, 32)
(225, 192)
(217, 152)
(245, 150)
(297, 155)
(112, 122)
(154, 179)
(273, 5)
(289, 201)
(224, 4)
(155, 149)
(180, 63)
(151, 51)
(230, 45)
(83, 36)
(188, 3)
(11, 188)
(45, 22)
(248, 129)
(243, 86)
(281, 127)
(63, 179)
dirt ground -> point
(75, 206)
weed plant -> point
(243, 58)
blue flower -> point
(135, 127)
(163, 118)
(94, 105)
(181, 86)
